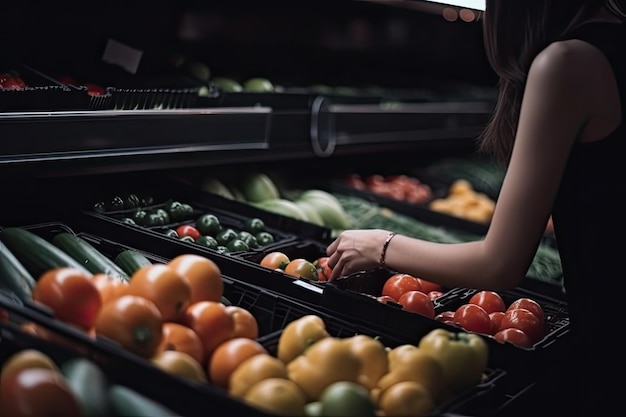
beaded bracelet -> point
(383, 253)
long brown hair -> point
(515, 31)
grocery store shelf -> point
(87, 140)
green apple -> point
(258, 85)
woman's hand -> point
(355, 250)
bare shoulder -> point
(572, 62)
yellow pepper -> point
(328, 360)
(410, 363)
(463, 357)
(373, 356)
(298, 335)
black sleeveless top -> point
(589, 221)
(590, 228)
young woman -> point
(558, 125)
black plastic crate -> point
(179, 394)
(354, 298)
(351, 297)
(479, 400)
(547, 352)
(228, 219)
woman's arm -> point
(560, 100)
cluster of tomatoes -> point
(412, 293)
(316, 270)
(171, 314)
(521, 323)
(398, 187)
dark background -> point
(295, 43)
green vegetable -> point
(254, 225)
(14, 278)
(348, 399)
(83, 252)
(89, 385)
(209, 224)
(130, 261)
(207, 241)
(35, 253)
(127, 402)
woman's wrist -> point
(383, 253)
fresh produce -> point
(89, 385)
(327, 207)
(255, 369)
(258, 85)
(228, 355)
(473, 318)
(35, 253)
(324, 362)
(406, 398)
(24, 359)
(490, 301)
(181, 338)
(181, 364)
(203, 275)
(300, 334)
(129, 403)
(211, 321)
(397, 187)
(14, 277)
(38, 392)
(417, 302)
(167, 289)
(278, 396)
(275, 260)
(246, 324)
(70, 294)
(227, 84)
(409, 363)
(84, 253)
(302, 268)
(345, 398)
(132, 321)
(524, 320)
(373, 356)
(463, 201)
(463, 357)
(514, 336)
(130, 260)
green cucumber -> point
(13, 276)
(83, 252)
(37, 254)
(130, 261)
(89, 385)
(127, 402)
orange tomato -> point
(38, 392)
(246, 324)
(323, 270)
(302, 268)
(165, 287)
(182, 339)
(70, 294)
(204, 276)
(275, 260)
(211, 321)
(230, 354)
(133, 322)
(109, 287)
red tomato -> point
(417, 302)
(530, 305)
(446, 317)
(515, 336)
(37, 392)
(187, 230)
(386, 299)
(428, 286)
(524, 320)
(398, 284)
(489, 300)
(70, 294)
(434, 294)
(496, 319)
(473, 318)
